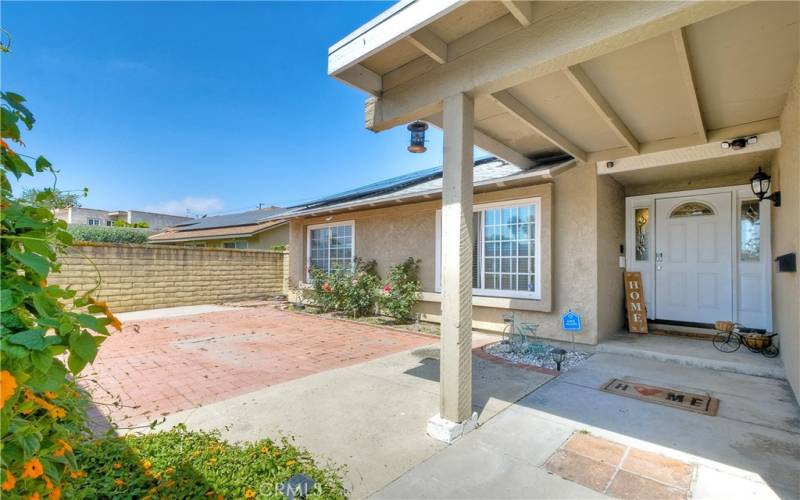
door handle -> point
(659, 257)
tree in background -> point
(53, 197)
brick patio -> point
(161, 366)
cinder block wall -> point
(136, 277)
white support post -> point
(455, 385)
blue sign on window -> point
(571, 321)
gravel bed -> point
(545, 360)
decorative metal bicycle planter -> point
(731, 336)
(520, 336)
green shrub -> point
(183, 464)
(122, 235)
(400, 292)
(278, 248)
(121, 223)
(352, 292)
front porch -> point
(648, 98)
(691, 352)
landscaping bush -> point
(352, 292)
(400, 292)
(43, 336)
(105, 234)
(121, 223)
(183, 464)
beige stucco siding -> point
(786, 236)
(270, 238)
(569, 242)
(610, 235)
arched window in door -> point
(691, 209)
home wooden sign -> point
(634, 302)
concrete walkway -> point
(750, 450)
(370, 417)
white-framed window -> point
(507, 252)
(92, 221)
(330, 246)
(238, 244)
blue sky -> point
(211, 107)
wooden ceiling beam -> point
(490, 145)
(679, 37)
(529, 118)
(570, 36)
(521, 10)
(426, 41)
(592, 94)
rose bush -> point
(401, 290)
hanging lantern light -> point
(760, 184)
(417, 130)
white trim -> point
(483, 292)
(311, 227)
(393, 25)
(738, 194)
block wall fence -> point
(137, 277)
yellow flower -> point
(55, 494)
(291, 462)
(119, 482)
(113, 321)
(212, 461)
(117, 466)
(57, 412)
(8, 386)
(146, 464)
(249, 494)
(10, 481)
(65, 448)
(50, 395)
(169, 470)
(35, 496)
(32, 469)
(264, 449)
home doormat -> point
(698, 403)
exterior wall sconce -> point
(417, 130)
(739, 143)
(760, 183)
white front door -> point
(693, 258)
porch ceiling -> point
(600, 81)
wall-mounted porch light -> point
(760, 184)
(417, 130)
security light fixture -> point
(417, 130)
(760, 184)
(739, 143)
(558, 357)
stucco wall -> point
(136, 277)
(570, 277)
(610, 235)
(786, 236)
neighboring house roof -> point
(423, 183)
(241, 225)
